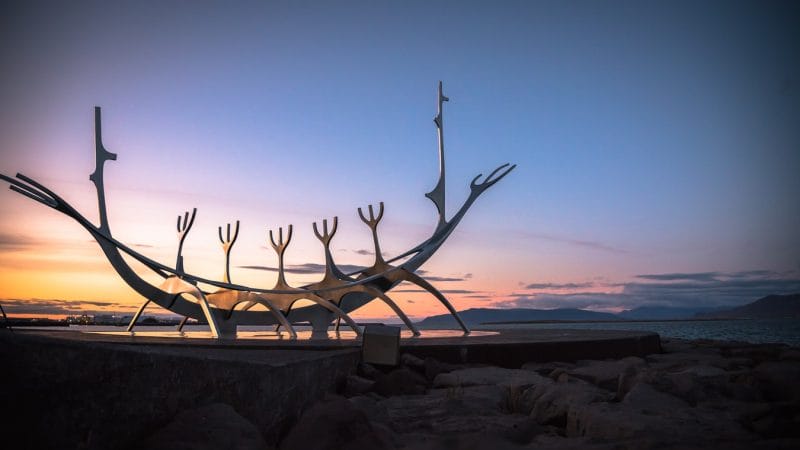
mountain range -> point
(772, 306)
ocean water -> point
(758, 331)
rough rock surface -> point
(332, 424)
(211, 427)
(488, 375)
(696, 394)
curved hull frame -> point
(336, 295)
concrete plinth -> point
(68, 392)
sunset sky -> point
(657, 144)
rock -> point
(367, 370)
(409, 360)
(355, 385)
(545, 369)
(678, 361)
(334, 423)
(756, 352)
(693, 384)
(550, 403)
(683, 427)
(448, 411)
(605, 373)
(778, 380)
(557, 442)
(556, 373)
(646, 399)
(790, 354)
(434, 367)
(627, 379)
(778, 424)
(400, 382)
(703, 371)
(214, 426)
(488, 375)
(470, 441)
(372, 407)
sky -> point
(657, 144)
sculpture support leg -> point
(137, 315)
(394, 307)
(419, 281)
(183, 322)
(212, 321)
(178, 286)
(279, 317)
(339, 313)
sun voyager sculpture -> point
(230, 304)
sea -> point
(758, 331)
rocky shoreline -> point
(65, 392)
(696, 394)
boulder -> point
(778, 380)
(448, 411)
(644, 398)
(469, 441)
(434, 367)
(211, 427)
(550, 403)
(790, 354)
(489, 375)
(606, 373)
(409, 360)
(356, 385)
(656, 426)
(369, 371)
(372, 407)
(334, 423)
(401, 381)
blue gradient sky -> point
(651, 138)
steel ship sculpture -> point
(230, 305)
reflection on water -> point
(255, 332)
(755, 330)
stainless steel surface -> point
(333, 296)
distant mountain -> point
(477, 316)
(663, 313)
(769, 307)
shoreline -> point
(524, 322)
(691, 394)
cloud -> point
(683, 290)
(576, 242)
(443, 279)
(62, 307)
(13, 242)
(590, 300)
(559, 285)
(443, 291)
(698, 276)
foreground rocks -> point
(213, 427)
(696, 394)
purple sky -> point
(658, 144)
